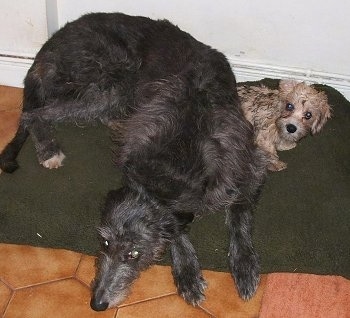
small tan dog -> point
(282, 117)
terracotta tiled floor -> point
(39, 282)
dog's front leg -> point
(186, 270)
(243, 261)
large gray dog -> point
(184, 147)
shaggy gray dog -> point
(184, 146)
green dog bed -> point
(302, 222)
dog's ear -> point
(183, 219)
(286, 86)
(324, 113)
(112, 198)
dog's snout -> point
(291, 128)
(98, 305)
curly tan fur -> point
(280, 116)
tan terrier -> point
(283, 116)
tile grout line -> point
(83, 283)
(160, 297)
(8, 302)
(148, 299)
(207, 311)
(76, 269)
(12, 293)
(76, 272)
(7, 284)
(44, 283)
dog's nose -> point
(291, 128)
(98, 305)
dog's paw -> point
(247, 285)
(246, 275)
(191, 288)
(55, 161)
(277, 166)
(8, 166)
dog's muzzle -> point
(98, 305)
(291, 128)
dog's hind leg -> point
(47, 149)
(243, 261)
(33, 99)
(186, 270)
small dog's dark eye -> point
(308, 115)
(289, 106)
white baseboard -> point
(14, 69)
(248, 71)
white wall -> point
(23, 30)
(302, 39)
(310, 34)
(23, 26)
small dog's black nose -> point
(98, 305)
(291, 128)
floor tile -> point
(165, 307)
(86, 269)
(8, 126)
(222, 298)
(155, 282)
(22, 265)
(64, 299)
(5, 295)
(10, 98)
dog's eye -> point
(105, 244)
(308, 115)
(133, 254)
(289, 107)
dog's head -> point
(305, 110)
(134, 234)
